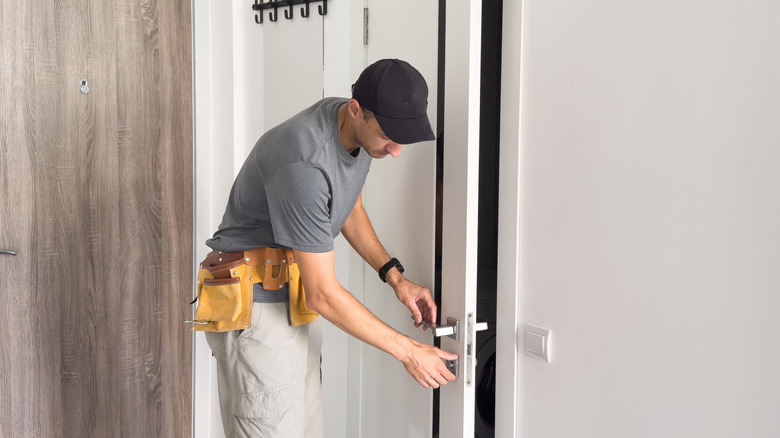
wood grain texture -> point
(96, 197)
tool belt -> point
(226, 281)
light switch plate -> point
(536, 341)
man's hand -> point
(424, 363)
(417, 298)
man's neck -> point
(345, 131)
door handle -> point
(7, 252)
(452, 329)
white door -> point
(400, 198)
(459, 226)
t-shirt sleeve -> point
(299, 207)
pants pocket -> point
(268, 363)
(265, 404)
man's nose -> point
(394, 149)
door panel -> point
(95, 197)
(400, 199)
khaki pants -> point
(269, 376)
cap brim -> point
(406, 131)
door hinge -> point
(365, 26)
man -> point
(299, 187)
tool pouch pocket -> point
(224, 293)
(219, 300)
(300, 313)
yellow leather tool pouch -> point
(226, 282)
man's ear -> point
(354, 109)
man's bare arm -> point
(325, 295)
(361, 235)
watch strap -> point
(393, 263)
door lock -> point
(452, 330)
(453, 366)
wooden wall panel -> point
(96, 197)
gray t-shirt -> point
(296, 188)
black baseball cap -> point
(398, 96)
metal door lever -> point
(452, 329)
(7, 252)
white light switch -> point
(535, 340)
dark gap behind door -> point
(487, 233)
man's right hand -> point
(424, 363)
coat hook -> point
(305, 13)
(274, 15)
(288, 13)
(259, 13)
(323, 9)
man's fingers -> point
(446, 355)
(416, 314)
(430, 307)
(427, 313)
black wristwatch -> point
(393, 263)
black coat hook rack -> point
(273, 5)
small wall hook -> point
(305, 13)
(259, 13)
(273, 16)
(323, 8)
(288, 13)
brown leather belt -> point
(272, 261)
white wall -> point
(649, 207)
(214, 127)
